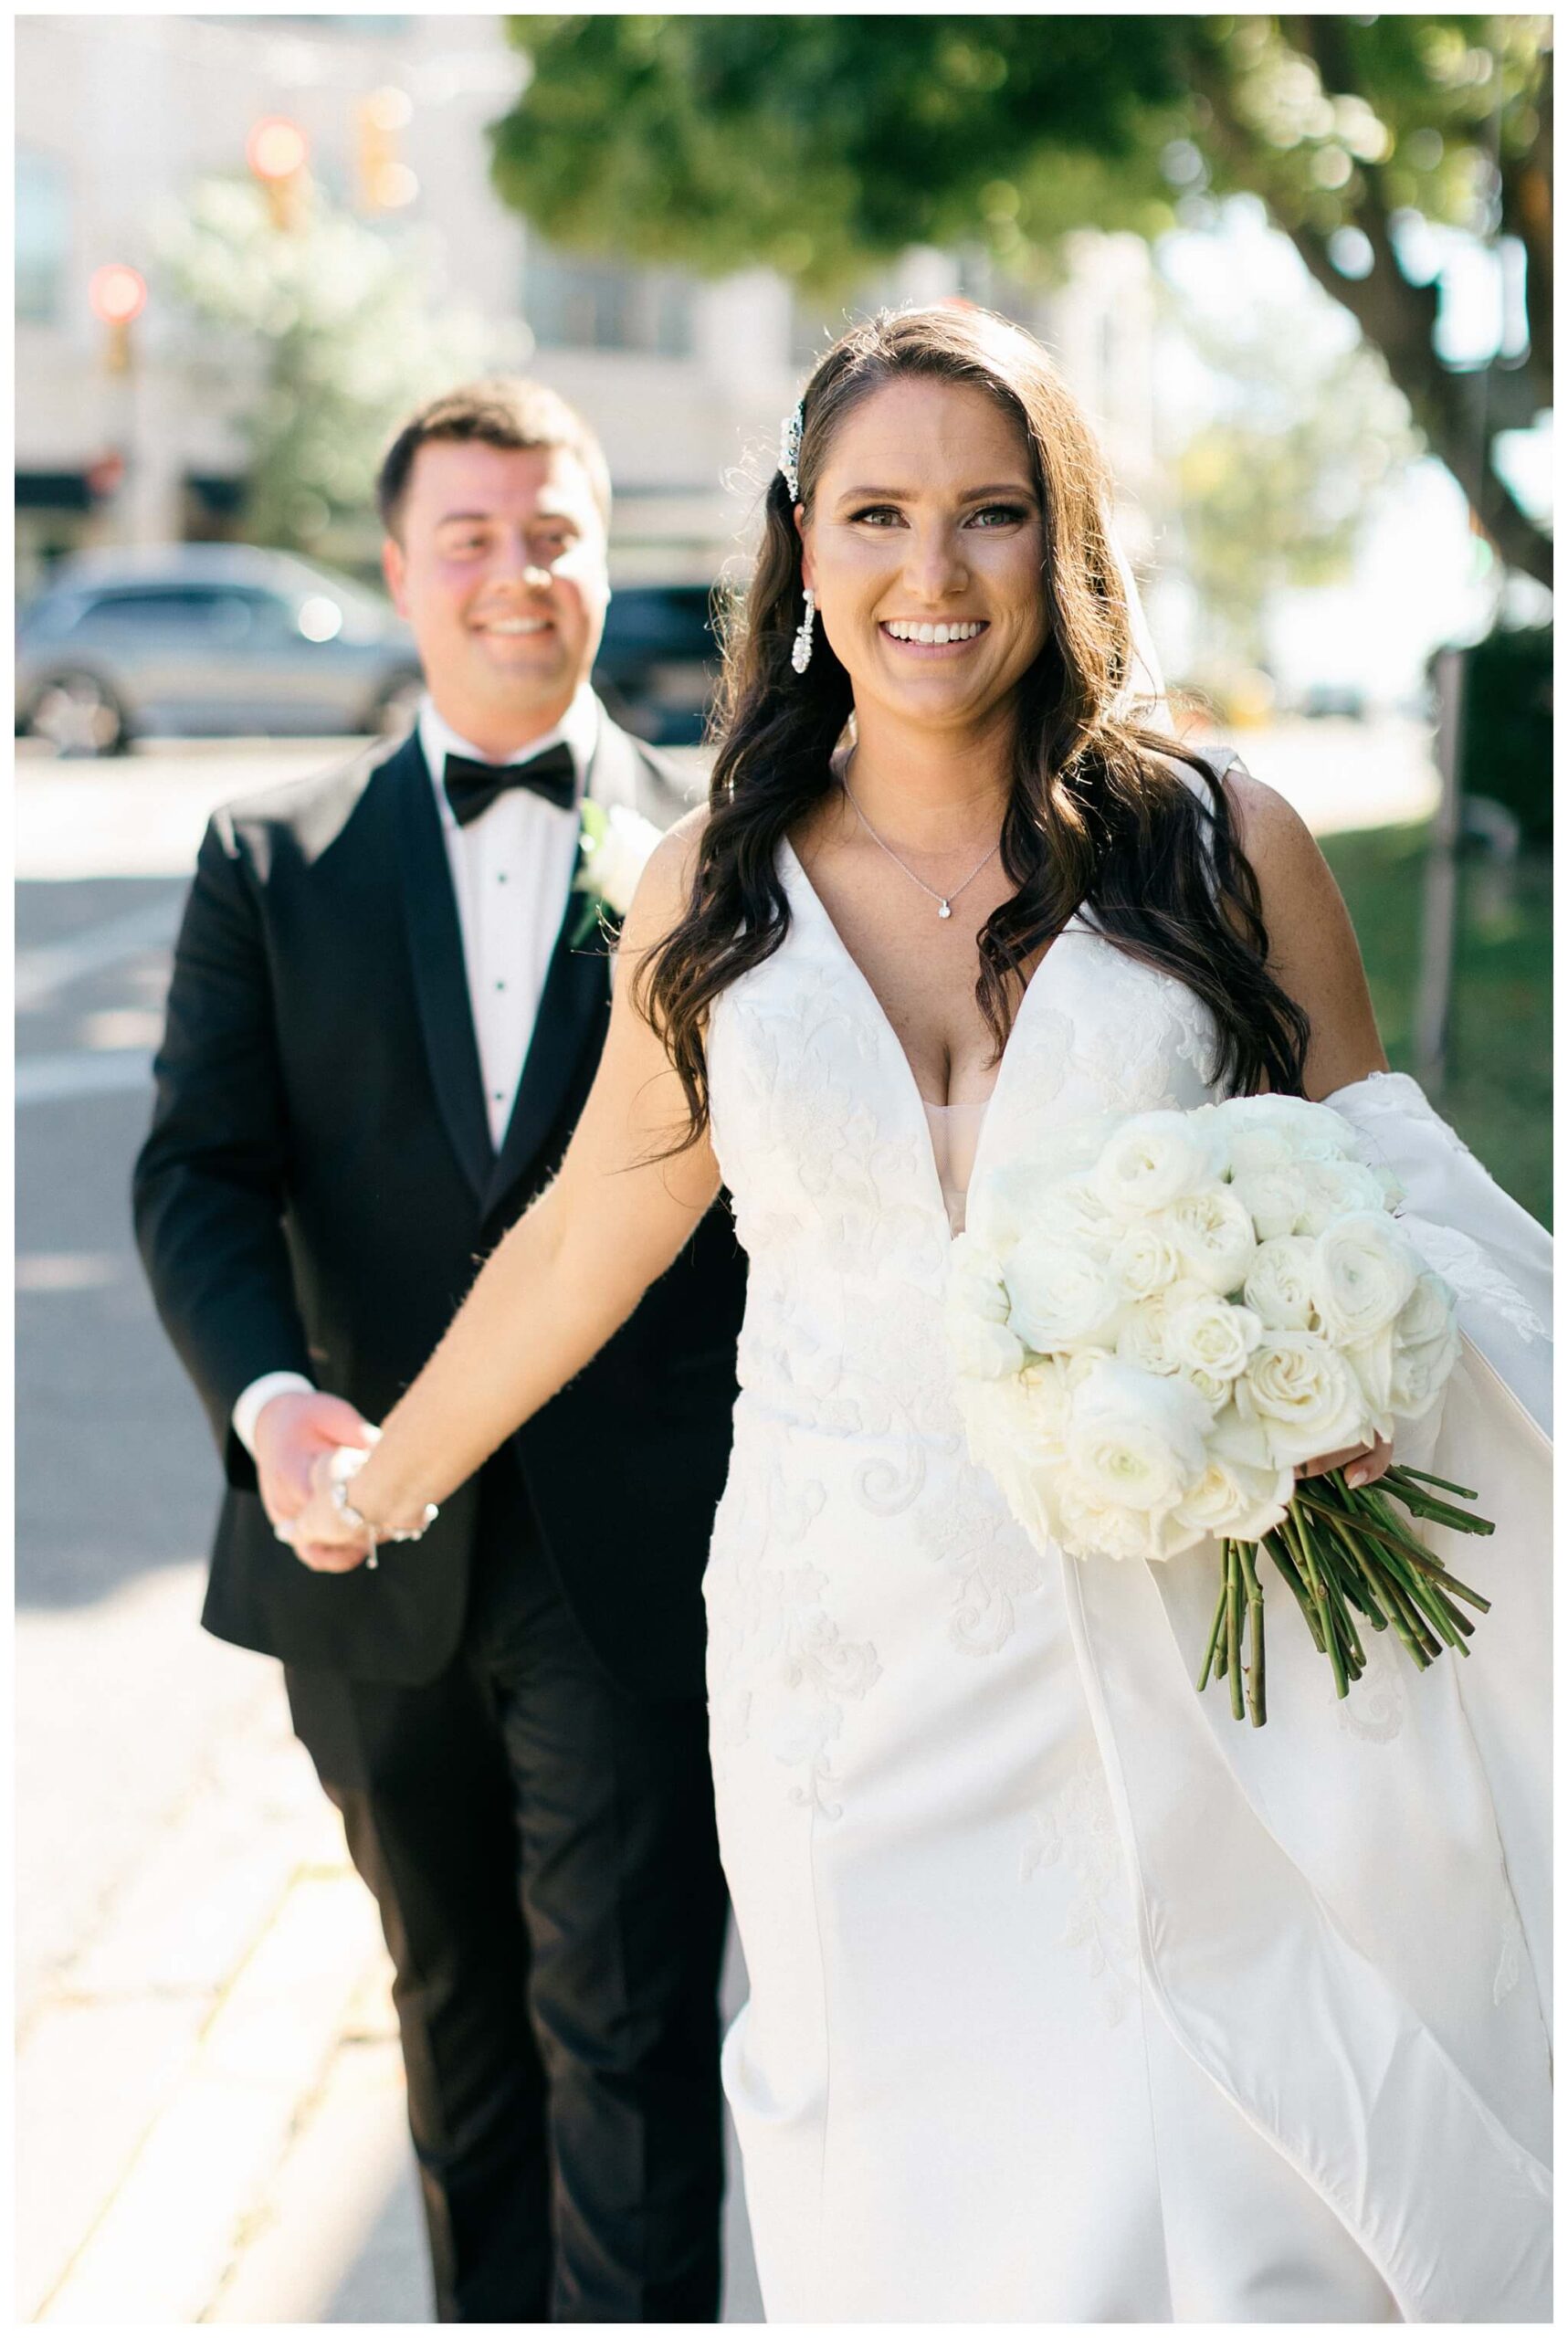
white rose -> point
(1242, 1492)
(1209, 1337)
(1143, 1334)
(1274, 1198)
(1076, 1214)
(1153, 1159)
(1335, 1188)
(1214, 1233)
(1135, 1441)
(1364, 1270)
(1060, 1296)
(616, 849)
(1279, 1285)
(1306, 1395)
(1100, 1530)
(1144, 1260)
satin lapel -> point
(440, 978)
(576, 992)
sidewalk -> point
(210, 2091)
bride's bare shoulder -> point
(663, 888)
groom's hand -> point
(291, 1433)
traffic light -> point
(118, 295)
(383, 179)
(277, 151)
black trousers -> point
(542, 1847)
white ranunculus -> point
(1425, 1347)
(1089, 1529)
(1060, 1297)
(1008, 1202)
(1314, 1132)
(1372, 1361)
(1153, 1160)
(984, 1351)
(975, 1281)
(1420, 1375)
(1254, 1149)
(1143, 1334)
(1075, 1213)
(1134, 1441)
(1364, 1270)
(1214, 1233)
(1306, 1395)
(1275, 1199)
(1144, 1260)
(1335, 1188)
(1428, 1314)
(1210, 1336)
(1279, 1285)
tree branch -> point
(1395, 315)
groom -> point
(383, 1021)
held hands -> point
(323, 1538)
(295, 1436)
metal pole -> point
(1439, 919)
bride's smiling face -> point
(925, 517)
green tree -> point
(825, 145)
(335, 324)
(1274, 488)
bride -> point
(1070, 2002)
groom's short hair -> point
(506, 412)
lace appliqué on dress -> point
(1078, 1830)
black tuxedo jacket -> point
(318, 1190)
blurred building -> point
(687, 380)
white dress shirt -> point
(511, 871)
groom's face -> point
(499, 564)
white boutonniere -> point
(612, 847)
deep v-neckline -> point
(859, 975)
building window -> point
(571, 304)
(43, 235)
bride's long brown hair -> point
(1099, 819)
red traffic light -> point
(277, 147)
(118, 294)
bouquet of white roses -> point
(1155, 1327)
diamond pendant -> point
(943, 910)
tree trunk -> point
(1397, 317)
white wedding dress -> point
(1072, 2000)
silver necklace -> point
(944, 901)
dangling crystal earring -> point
(800, 655)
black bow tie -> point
(472, 788)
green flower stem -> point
(1218, 1626)
(1256, 1704)
(1302, 1546)
(1402, 1470)
(1233, 1629)
(1279, 1552)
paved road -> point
(208, 2088)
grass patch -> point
(1499, 1089)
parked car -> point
(207, 639)
(658, 662)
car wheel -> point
(393, 713)
(78, 715)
